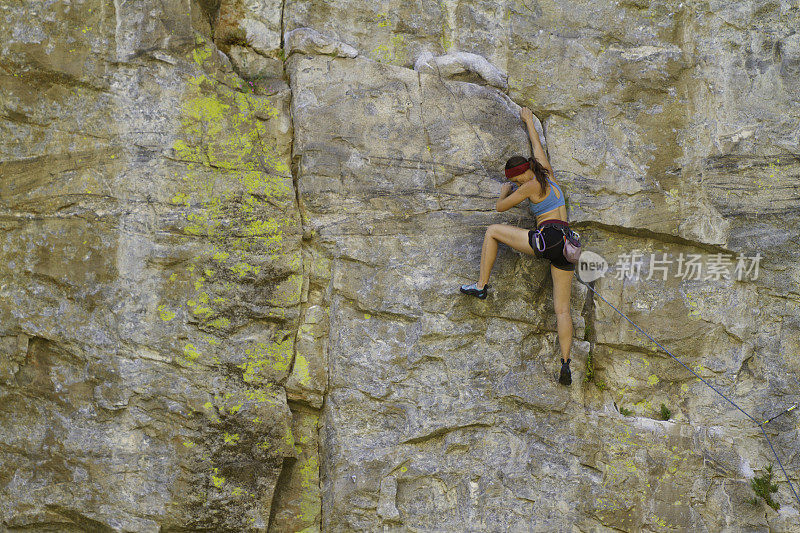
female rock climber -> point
(536, 183)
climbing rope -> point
(760, 424)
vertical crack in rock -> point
(293, 171)
(296, 503)
(425, 128)
(280, 486)
(283, 11)
(589, 333)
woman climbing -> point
(536, 182)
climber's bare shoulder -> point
(553, 176)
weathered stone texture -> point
(233, 234)
(152, 273)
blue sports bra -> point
(550, 202)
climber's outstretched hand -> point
(525, 114)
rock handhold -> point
(308, 41)
(463, 66)
(250, 64)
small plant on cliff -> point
(666, 414)
(625, 412)
(763, 487)
(589, 376)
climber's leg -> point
(512, 236)
(562, 288)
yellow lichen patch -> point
(652, 380)
(310, 506)
(382, 20)
(296, 261)
(260, 228)
(202, 310)
(256, 182)
(699, 369)
(223, 132)
(242, 269)
(201, 55)
(288, 292)
(190, 352)
(180, 198)
(394, 53)
(260, 396)
(189, 444)
(217, 481)
(233, 187)
(220, 323)
(231, 438)
(301, 370)
(288, 437)
(265, 360)
(165, 314)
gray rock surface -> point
(233, 234)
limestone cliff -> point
(233, 234)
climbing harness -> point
(760, 424)
(572, 241)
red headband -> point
(517, 170)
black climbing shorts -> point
(554, 247)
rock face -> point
(234, 234)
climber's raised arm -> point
(538, 151)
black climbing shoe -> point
(566, 375)
(473, 290)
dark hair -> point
(538, 170)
